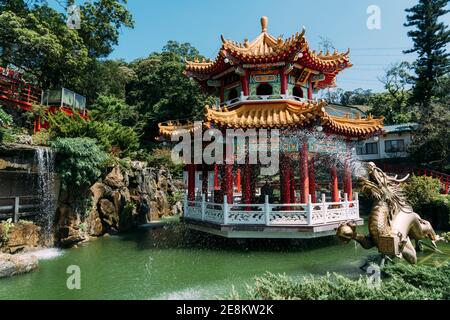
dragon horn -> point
(399, 180)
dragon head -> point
(381, 186)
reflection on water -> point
(176, 263)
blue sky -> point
(201, 22)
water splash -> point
(47, 254)
(45, 161)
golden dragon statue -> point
(392, 222)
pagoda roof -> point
(283, 115)
(267, 49)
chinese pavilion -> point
(270, 83)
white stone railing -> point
(296, 214)
(258, 98)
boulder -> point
(115, 178)
(11, 265)
(108, 214)
(100, 190)
(19, 236)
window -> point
(391, 146)
(264, 89)
(232, 94)
(368, 148)
(297, 92)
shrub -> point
(112, 137)
(6, 121)
(437, 212)
(162, 157)
(421, 190)
(80, 161)
(400, 282)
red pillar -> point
(348, 187)
(285, 178)
(247, 184)
(312, 181)
(304, 174)
(283, 82)
(310, 91)
(227, 183)
(191, 181)
(446, 185)
(244, 83)
(238, 180)
(216, 177)
(222, 92)
(334, 184)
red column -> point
(216, 177)
(310, 91)
(348, 187)
(285, 178)
(227, 183)
(283, 82)
(446, 185)
(238, 180)
(247, 184)
(205, 174)
(191, 181)
(304, 174)
(244, 83)
(334, 184)
(312, 181)
(292, 182)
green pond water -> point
(176, 263)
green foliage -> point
(5, 227)
(111, 136)
(175, 197)
(5, 123)
(401, 282)
(110, 108)
(6, 119)
(162, 157)
(437, 211)
(431, 144)
(162, 92)
(430, 37)
(36, 38)
(423, 193)
(421, 190)
(80, 161)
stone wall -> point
(122, 199)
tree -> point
(35, 37)
(430, 38)
(393, 103)
(161, 91)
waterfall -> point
(45, 161)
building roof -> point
(266, 49)
(283, 115)
(402, 127)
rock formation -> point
(123, 198)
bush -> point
(437, 212)
(6, 121)
(400, 282)
(80, 161)
(421, 190)
(113, 137)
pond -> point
(176, 263)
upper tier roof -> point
(268, 49)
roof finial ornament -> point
(264, 22)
